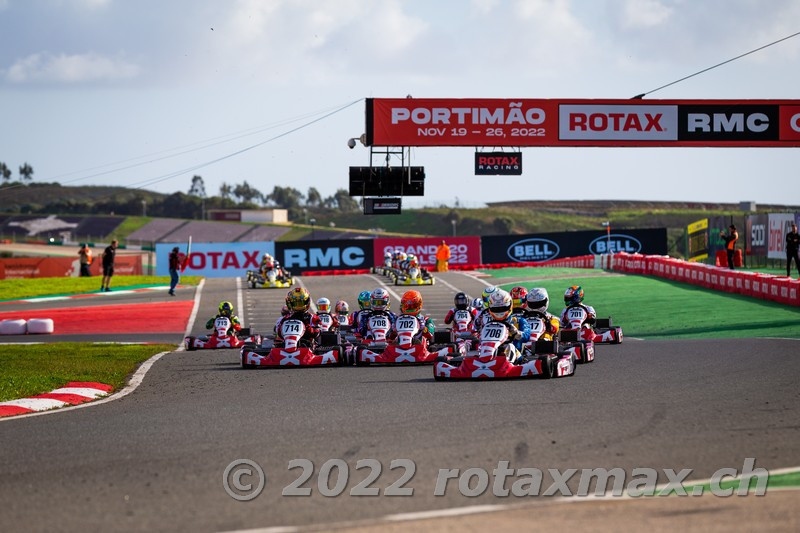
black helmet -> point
(461, 300)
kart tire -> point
(617, 335)
(440, 359)
(442, 337)
(583, 352)
(357, 357)
(189, 343)
(547, 366)
(342, 358)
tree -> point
(5, 172)
(26, 172)
(314, 199)
(225, 191)
(344, 201)
(286, 197)
(198, 188)
(245, 192)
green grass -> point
(13, 289)
(128, 226)
(653, 308)
(775, 481)
(26, 370)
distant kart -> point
(402, 350)
(291, 353)
(413, 276)
(542, 359)
(220, 339)
(273, 280)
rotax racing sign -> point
(498, 163)
(215, 259)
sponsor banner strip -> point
(573, 122)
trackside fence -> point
(779, 289)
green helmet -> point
(363, 299)
(226, 309)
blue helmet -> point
(573, 295)
(363, 299)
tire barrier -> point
(33, 326)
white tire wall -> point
(40, 325)
(13, 327)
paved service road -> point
(154, 460)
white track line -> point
(137, 377)
(239, 300)
(451, 286)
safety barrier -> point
(779, 289)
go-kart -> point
(293, 351)
(413, 275)
(274, 279)
(384, 269)
(495, 358)
(463, 331)
(601, 332)
(220, 338)
(378, 350)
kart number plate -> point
(406, 324)
(493, 331)
(292, 327)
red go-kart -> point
(402, 350)
(291, 353)
(220, 339)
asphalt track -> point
(154, 460)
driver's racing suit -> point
(308, 319)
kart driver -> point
(538, 300)
(298, 301)
(573, 297)
(324, 308)
(483, 313)
(342, 311)
(363, 308)
(226, 310)
(461, 302)
(411, 304)
(499, 310)
(378, 305)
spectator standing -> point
(442, 257)
(109, 255)
(85, 254)
(174, 270)
(730, 244)
(792, 246)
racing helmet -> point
(477, 303)
(298, 299)
(519, 297)
(500, 304)
(267, 257)
(284, 311)
(487, 292)
(323, 305)
(411, 303)
(461, 300)
(538, 300)
(363, 299)
(387, 254)
(379, 299)
(226, 309)
(342, 308)
(573, 295)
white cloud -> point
(63, 68)
(638, 14)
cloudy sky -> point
(151, 92)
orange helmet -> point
(411, 303)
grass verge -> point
(31, 369)
(14, 289)
(654, 308)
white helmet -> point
(477, 303)
(500, 304)
(323, 305)
(538, 300)
(487, 292)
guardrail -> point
(779, 289)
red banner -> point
(573, 122)
(463, 250)
(56, 267)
